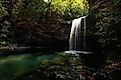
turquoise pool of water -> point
(13, 66)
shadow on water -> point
(94, 60)
(31, 50)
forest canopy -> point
(37, 9)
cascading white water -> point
(74, 41)
(85, 33)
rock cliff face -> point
(43, 34)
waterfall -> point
(76, 41)
(85, 33)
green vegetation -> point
(69, 8)
(3, 11)
(107, 27)
(3, 25)
(38, 9)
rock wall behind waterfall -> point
(44, 33)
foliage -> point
(38, 9)
(4, 25)
(31, 9)
(108, 23)
(3, 11)
(69, 8)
